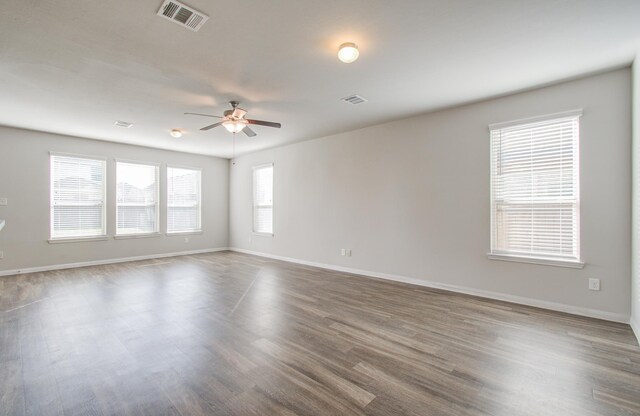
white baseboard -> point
(635, 325)
(107, 261)
(575, 310)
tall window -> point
(535, 201)
(137, 198)
(77, 197)
(183, 200)
(263, 199)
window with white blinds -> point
(183, 200)
(136, 198)
(77, 197)
(535, 201)
(263, 199)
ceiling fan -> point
(234, 121)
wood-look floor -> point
(232, 334)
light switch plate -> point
(4, 202)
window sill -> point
(77, 239)
(179, 233)
(535, 260)
(263, 234)
(127, 236)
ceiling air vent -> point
(182, 14)
(122, 124)
(354, 99)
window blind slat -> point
(534, 189)
(136, 198)
(263, 199)
(183, 200)
(77, 197)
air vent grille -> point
(122, 124)
(354, 99)
(182, 15)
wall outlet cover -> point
(594, 284)
(4, 202)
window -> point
(183, 200)
(137, 199)
(535, 202)
(263, 199)
(77, 197)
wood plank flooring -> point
(232, 334)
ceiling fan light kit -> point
(234, 121)
(348, 52)
(234, 126)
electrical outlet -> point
(594, 284)
(343, 252)
(186, 239)
(4, 202)
(348, 252)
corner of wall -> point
(635, 198)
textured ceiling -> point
(75, 66)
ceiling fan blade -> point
(238, 112)
(264, 123)
(211, 126)
(249, 132)
(204, 115)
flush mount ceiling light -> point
(175, 133)
(348, 52)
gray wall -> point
(411, 198)
(635, 277)
(24, 180)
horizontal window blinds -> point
(77, 197)
(137, 198)
(534, 189)
(183, 200)
(263, 199)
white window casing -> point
(263, 199)
(535, 192)
(183, 200)
(137, 190)
(77, 197)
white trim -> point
(78, 239)
(109, 261)
(136, 162)
(560, 307)
(259, 234)
(264, 165)
(166, 201)
(157, 204)
(537, 119)
(77, 155)
(533, 260)
(171, 165)
(635, 326)
(105, 168)
(141, 235)
(179, 233)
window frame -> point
(534, 258)
(186, 232)
(156, 231)
(255, 205)
(73, 239)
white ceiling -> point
(76, 66)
